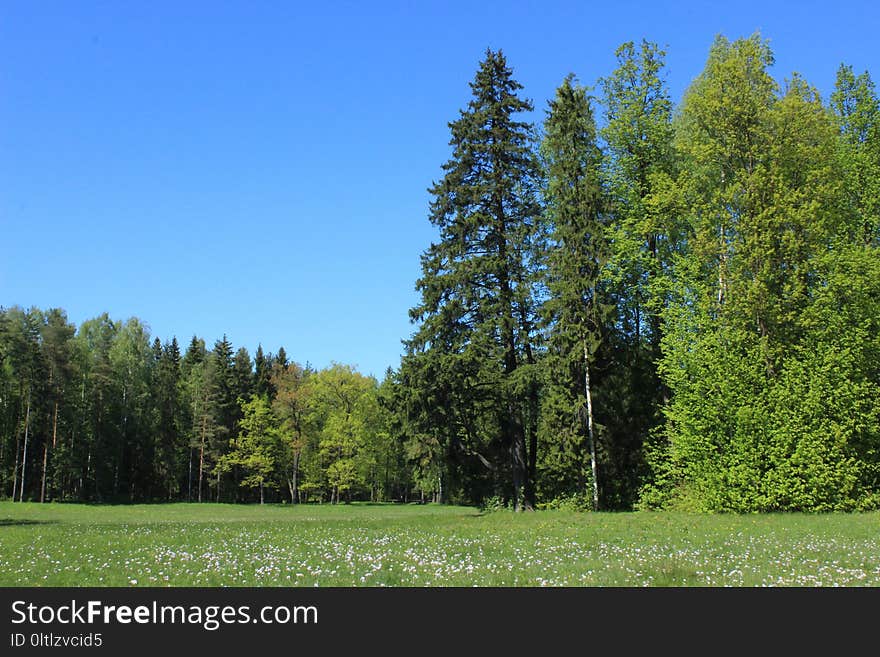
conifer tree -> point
(223, 405)
(477, 314)
(262, 374)
(243, 374)
(575, 311)
(171, 445)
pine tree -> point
(262, 374)
(195, 354)
(243, 374)
(477, 314)
(223, 405)
(575, 311)
(168, 400)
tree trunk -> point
(3, 450)
(43, 478)
(122, 443)
(88, 468)
(531, 473)
(27, 419)
(294, 491)
(512, 428)
(590, 435)
(517, 458)
(15, 467)
(201, 467)
(46, 452)
(55, 437)
(722, 251)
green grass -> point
(375, 545)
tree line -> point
(634, 304)
(103, 413)
(676, 309)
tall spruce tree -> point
(242, 375)
(262, 374)
(170, 443)
(477, 314)
(223, 407)
(574, 311)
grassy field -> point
(376, 545)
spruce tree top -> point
(486, 208)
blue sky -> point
(260, 169)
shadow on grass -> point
(12, 522)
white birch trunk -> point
(27, 419)
(590, 434)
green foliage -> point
(571, 502)
(576, 311)
(477, 313)
(257, 447)
(770, 364)
(857, 110)
(107, 413)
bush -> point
(571, 502)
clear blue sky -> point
(260, 168)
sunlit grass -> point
(388, 545)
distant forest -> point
(634, 304)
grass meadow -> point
(427, 545)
